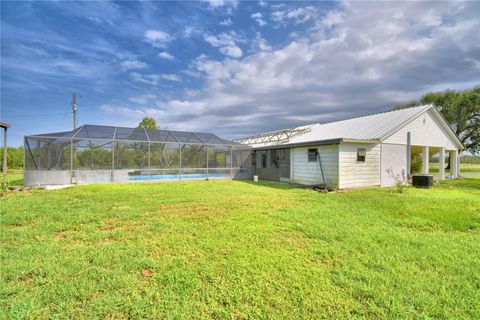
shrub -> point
(401, 180)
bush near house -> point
(233, 249)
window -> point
(361, 154)
(312, 155)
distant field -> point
(233, 249)
(464, 168)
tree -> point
(148, 123)
(461, 109)
(14, 157)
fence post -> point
(180, 168)
(231, 162)
(206, 148)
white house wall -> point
(354, 174)
(394, 157)
(308, 173)
(425, 130)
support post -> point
(442, 164)
(71, 161)
(113, 152)
(458, 164)
(409, 153)
(206, 147)
(231, 162)
(426, 160)
(4, 167)
(455, 164)
(180, 165)
(149, 173)
(39, 154)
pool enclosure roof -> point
(96, 132)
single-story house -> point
(366, 151)
(373, 150)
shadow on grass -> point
(462, 183)
(271, 184)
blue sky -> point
(227, 67)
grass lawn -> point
(232, 249)
(15, 177)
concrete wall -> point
(308, 173)
(394, 157)
(426, 130)
(359, 174)
(46, 177)
(53, 177)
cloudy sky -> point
(231, 68)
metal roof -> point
(375, 127)
(96, 132)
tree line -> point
(14, 157)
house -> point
(373, 150)
(366, 151)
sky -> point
(231, 68)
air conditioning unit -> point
(422, 180)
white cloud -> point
(299, 15)
(188, 31)
(227, 43)
(260, 44)
(222, 3)
(133, 64)
(143, 99)
(231, 51)
(358, 58)
(157, 38)
(153, 79)
(226, 22)
(171, 77)
(258, 19)
(165, 55)
(134, 113)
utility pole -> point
(74, 108)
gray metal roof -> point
(96, 132)
(375, 127)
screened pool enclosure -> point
(94, 153)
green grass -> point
(15, 177)
(232, 249)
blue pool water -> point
(176, 176)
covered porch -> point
(443, 163)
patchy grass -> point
(236, 249)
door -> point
(284, 165)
